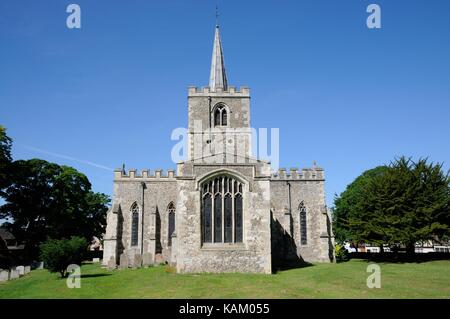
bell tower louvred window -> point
(220, 116)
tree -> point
(5, 156)
(59, 254)
(47, 200)
(347, 202)
(407, 203)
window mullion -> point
(213, 200)
(223, 208)
(233, 230)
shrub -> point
(58, 254)
(341, 253)
(169, 269)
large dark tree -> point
(5, 157)
(46, 200)
(349, 200)
(408, 202)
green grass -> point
(346, 280)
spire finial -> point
(217, 13)
(218, 76)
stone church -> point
(221, 210)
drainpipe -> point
(210, 124)
(290, 209)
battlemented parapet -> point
(133, 174)
(306, 174)
(231, 91)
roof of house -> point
(6, 234)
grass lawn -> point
(346, 280)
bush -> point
(58, 254)
(169, 269)
(341, 253)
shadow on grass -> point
(94, 275)
(287, 265)
(400, 257)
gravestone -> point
(111, 263)
(37, 265)
(13, 274)
(147, 259)
(27, 269)
(159, 259)
(123, 261)
(4, 275)
(20, 270)
(96, 260)
(137, 261)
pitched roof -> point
(6, 234)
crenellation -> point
(296, 174)
(231, 91)
(146, 174)
(282, 173)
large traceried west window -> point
(134, 224)
(221, 211)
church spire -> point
(218, 76)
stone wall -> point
(253, 254)
(288, 192)
(160, 191)
(204, 138)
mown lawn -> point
(346, 280)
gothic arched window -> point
(303, 229)
(220, 116)
(221, 212)
(134, 224)
(171, 211)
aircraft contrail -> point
(67, 157)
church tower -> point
(219, 115)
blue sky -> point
(112, 92)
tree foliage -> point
(347, 202)
(5, 156)
(59, 254)
(46, 200)
(406, 203)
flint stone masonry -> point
(271, 201)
